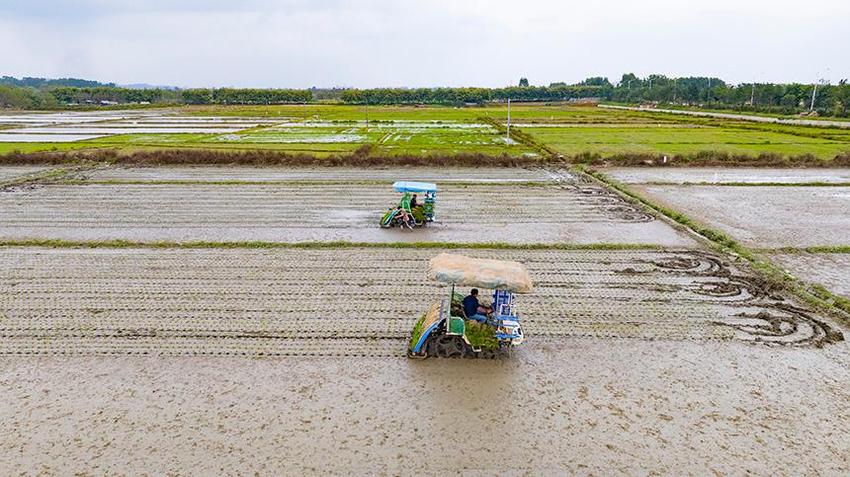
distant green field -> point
(324, 129)
(328, 138)
(668, 140)
(519, 112)
(340, 112)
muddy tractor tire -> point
(444, 346)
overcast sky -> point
(369, 43)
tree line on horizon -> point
(790, 98)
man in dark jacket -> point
(473, 309)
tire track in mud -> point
(363, 302)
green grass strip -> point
(47, 175)
(836, 300)
(321, 245)
(814, 249)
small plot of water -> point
(294, 139)
(47, 137)
(385, 124)
(181, 124)
(68, 118)
(103, 130)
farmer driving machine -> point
(414, 210)
(446, 331)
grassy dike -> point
(814, 295)
(49, 175)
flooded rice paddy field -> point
(830, 270)
(710, 175)
(569, 406)
(18, 137)
(167, 127)
(383, 134)
(761, 215)
(70, 117)
(328, 129)
(213, 360)
(364, 301)
(570, 211)
(104, 130)
(764, 216)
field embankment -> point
(367, 157)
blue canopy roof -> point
(404, 186)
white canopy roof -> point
(479, 272)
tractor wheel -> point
(449, 347)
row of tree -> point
(26, 98)
(105, 94)
(791, 98)
(54, 97)
(31, 82)
(245, 96)
(470, 95)
(700, 91)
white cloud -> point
(301, 43)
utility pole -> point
(814, 96)
(753, 95)
(508, 138)
(823, 81)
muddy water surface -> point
(642, 175)
(831, 270)
(488, 212)
(764, 217)
(588, 406)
